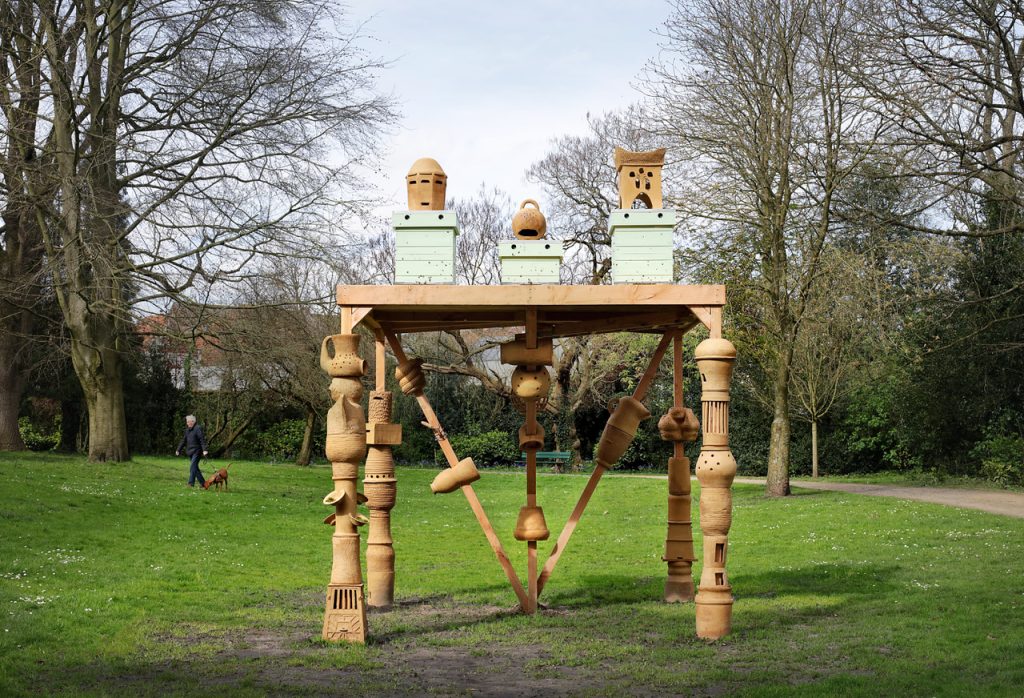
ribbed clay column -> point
(345, 613)
(716, 469)
(380, 485)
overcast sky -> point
(484, 86)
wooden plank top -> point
(425, 298)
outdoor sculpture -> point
(427, 184)
(532, 300)
(716, 469)
(345, 613)
(639, 177)
(679, 425)
(530, 384)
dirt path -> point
(992, 501)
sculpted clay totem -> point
(530, 383)
(716, 469)
(679, 425)
(380, 487)
(345, 613)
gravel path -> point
(992, 501)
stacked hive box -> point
(642, 245)
(425, 246)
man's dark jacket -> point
(194, 440)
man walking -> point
(194, 443)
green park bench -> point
(556, 459)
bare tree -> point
(483, 220)
(183, 141)
(845, 326)
(20, 246)
(949, 78)
(752, 94)
(579, 179)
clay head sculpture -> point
(427, 184)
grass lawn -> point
(119, 580)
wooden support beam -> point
(381, 372)
(467, 490)
(429, 297)
(359, 314)
(570, 526)
(711, 317)
(346, 319)
(562, 326)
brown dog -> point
(220, 479)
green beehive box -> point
(530, 261)
(642, 245)
(425, 246)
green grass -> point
(119, 580)
(916, 478)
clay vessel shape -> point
(626, 414)
(451, 479)
(716, 468)
(531, 524)
(346, 432)
(529, 223)
(531, 441)
(612, 445)
(339, 356)
(427, 184)
(531, 384)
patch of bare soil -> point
(409, 653)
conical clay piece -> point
(531, 524)
(453, 478)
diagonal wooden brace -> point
(453, 460)
(570, 526)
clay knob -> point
(529, 223)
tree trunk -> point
(778, 450)
(70, 425)
(814, 449)
(306, 450)
(232, 437)
(99, 370)
(12, 384)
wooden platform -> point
(562, 311)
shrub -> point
(487, 448)
(1001, 453)
(281, 441)
(36, 440)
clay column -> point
(679, 425)
(530, 383)
(716, 469)
(345, 613)
(380, 486)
